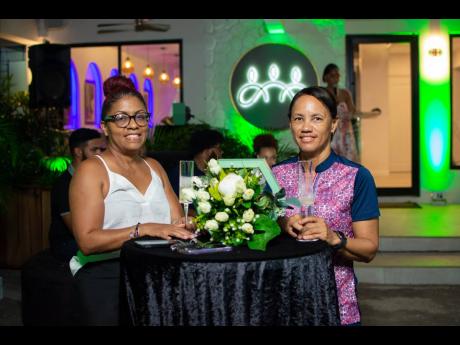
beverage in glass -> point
(186, 171)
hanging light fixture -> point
(164, 77)
(176, 82)
(128, 66)
(148, 71)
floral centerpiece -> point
(234, 208)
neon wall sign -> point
(265, 80)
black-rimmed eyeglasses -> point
(122, 120)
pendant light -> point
(148, 71)
(128, 66)
(164, 77)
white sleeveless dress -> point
(125, 206)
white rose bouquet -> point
(233, 208)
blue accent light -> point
(114, 72)
(98, 99)
(436, 148)
(134, 79)
(148, 88)
(74, 111)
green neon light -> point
(274, 27)
(258, 90)
(56, 164)
(435, 135)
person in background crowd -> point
(204, 145)
(345, 213)
(344, 142)
(114, 197)
(266, 146)
(83, 143)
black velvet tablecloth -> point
(291, 283)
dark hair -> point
(328, 69)
(117, 87)
(321, 94)
(204, 139)
(80, 136)
(264, 140)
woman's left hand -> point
(316, 228)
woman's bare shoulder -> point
(155, 165)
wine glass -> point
(306, 194)
(186, 169)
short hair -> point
(264, 140)
(322, 94)
(328, 69)
(117, 87)
(204, 139)
(80, 136)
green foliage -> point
(26, 141)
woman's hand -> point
(316, 228)
(291, 225)
(190, 226)
(166, 231)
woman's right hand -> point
(292, 225)
(166, 231)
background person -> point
(266, 146)
(83, 143)
(344, 142)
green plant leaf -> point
(267, 230)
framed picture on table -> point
(90, 91)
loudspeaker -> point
(50, 66)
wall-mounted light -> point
(435, 59)
(274, 26)
(435, 51)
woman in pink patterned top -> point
(345, 211)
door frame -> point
(351, 42)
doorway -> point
(382, 72)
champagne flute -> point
(186, 170)
(305, 188)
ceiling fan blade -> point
(156, 27)
(112, 24)
(107, 31)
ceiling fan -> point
(139, 25)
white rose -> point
(202, 195)
(228, 186)
(221, 217)
(240, 186)
(248, 194)
(229, 200)
(211, 225)
(199, 182)
(204, 207)
(214, 166)
(247, 228)
(187, 194)
(248, 215)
